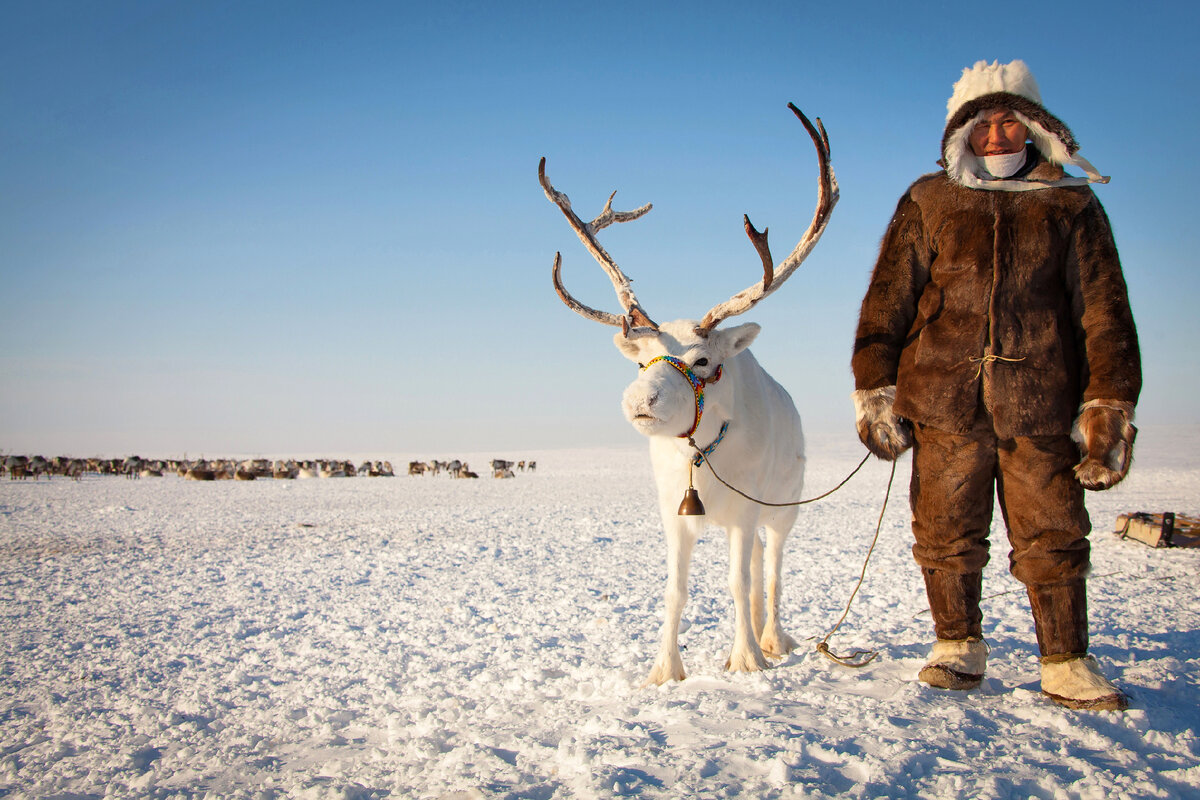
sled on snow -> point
(1167, 529)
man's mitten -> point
(1105, 433)
(885, 434)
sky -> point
(300, 228)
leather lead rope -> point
(858, 658)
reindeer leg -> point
(774, 642)
(757, 612)
(669, 664)
(746, 655)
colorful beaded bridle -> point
(697, 383)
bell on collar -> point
(691, 505)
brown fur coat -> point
(1013, 297)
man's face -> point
(998, 133)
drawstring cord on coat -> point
(988, 359)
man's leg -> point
(951, 497)
(1043, 506)
(1048, 526)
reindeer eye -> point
(641, 365)
(703, 362)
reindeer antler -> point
(634, 315)
(773, 277)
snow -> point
(426, 637)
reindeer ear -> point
(630, 347)
(732, 341)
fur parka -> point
(1011, 298)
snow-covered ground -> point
(426, 637)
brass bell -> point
(691, 505)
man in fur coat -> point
(997, 341)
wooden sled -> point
(1167, 529)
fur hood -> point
(985, 86)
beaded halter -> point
(695, 380)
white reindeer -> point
(700, 386)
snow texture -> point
(426, 637)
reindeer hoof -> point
(747, 661)
(669, 670)
(777, 646)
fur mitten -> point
(885, 434)
(1105, 433)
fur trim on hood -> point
(985, 86)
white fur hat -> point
(984, 78)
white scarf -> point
(1004, 165)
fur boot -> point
(955, 664)
(885, 434)
(1078, 683)
(1105, 433)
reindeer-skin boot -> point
(955, 664)
(1078, 683)
(959, 657)
(1070, 677)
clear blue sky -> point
(298, 227)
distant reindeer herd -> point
(461, 469)
(22, 467)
